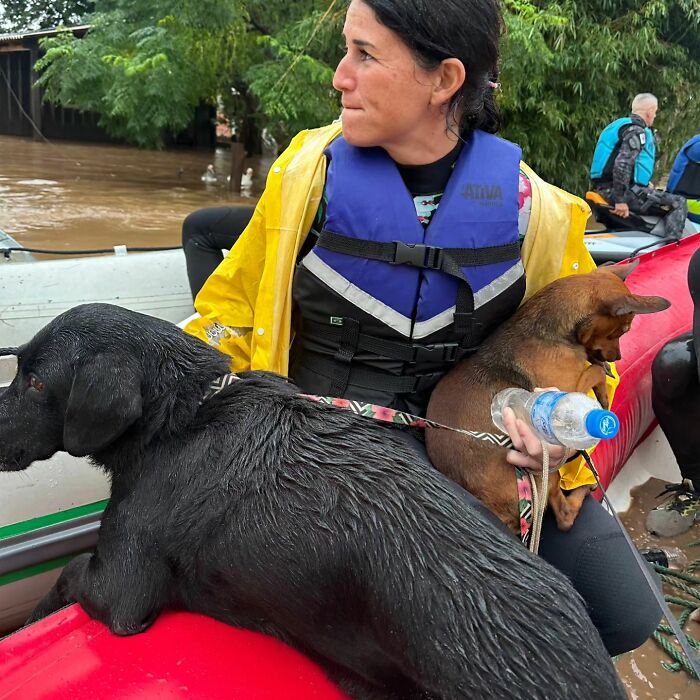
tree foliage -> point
(144, 66)
(568, 68)
(23, 15)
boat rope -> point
(692, 660)
(660, 241)
(97, 251)
(678, 580)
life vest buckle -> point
(417, 255)
(438, 352)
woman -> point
(415, 161)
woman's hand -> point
(527, 448)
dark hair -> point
(465, 29)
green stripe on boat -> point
(24, 526)
(34, 570)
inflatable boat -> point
(626, 238)
(34, 291)
(70, 656)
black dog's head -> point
(96, 372)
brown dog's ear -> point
(105, 399)
(633, 304)
(622, 271)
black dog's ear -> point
(105, 399)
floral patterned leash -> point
(529, 501)
(370, 410)
(391, 415)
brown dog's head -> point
(610, 310)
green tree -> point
(22, 15)
(145, 66)
(569, 68)
(294, 59)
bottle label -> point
(541, 412)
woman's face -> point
(387, 98)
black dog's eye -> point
(36, 383)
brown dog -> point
(563, 336)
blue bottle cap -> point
(602, 424)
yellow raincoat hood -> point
(245, 306)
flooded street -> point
(68, 195)
(641, 671)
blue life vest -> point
(387, 305)
(685, 174)
(608, 146)
(368, 202)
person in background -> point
(675, 398)
(684, 179)
(623, 165)
(386, 246)
(206, 233)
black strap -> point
(377, 381)
(342, 360)
(392, 349)
(448, 260)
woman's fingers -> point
(531, 441)
(510, 424)
(527, 447)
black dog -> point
(269, 511)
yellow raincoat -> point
(245, 306)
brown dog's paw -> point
(566, 506)
(601, 393)
(565, 517)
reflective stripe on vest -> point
(368, 200)
(608, 146)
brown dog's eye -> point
(36, 383)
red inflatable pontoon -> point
(69, 656)
(663, 272)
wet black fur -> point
(269, 511)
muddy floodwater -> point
(70, 196)
(75, 195)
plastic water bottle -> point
(670, 557)
(569, 419)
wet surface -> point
(71, 196)
(641, 670)
(74, 195)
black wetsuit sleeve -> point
(623, 168)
